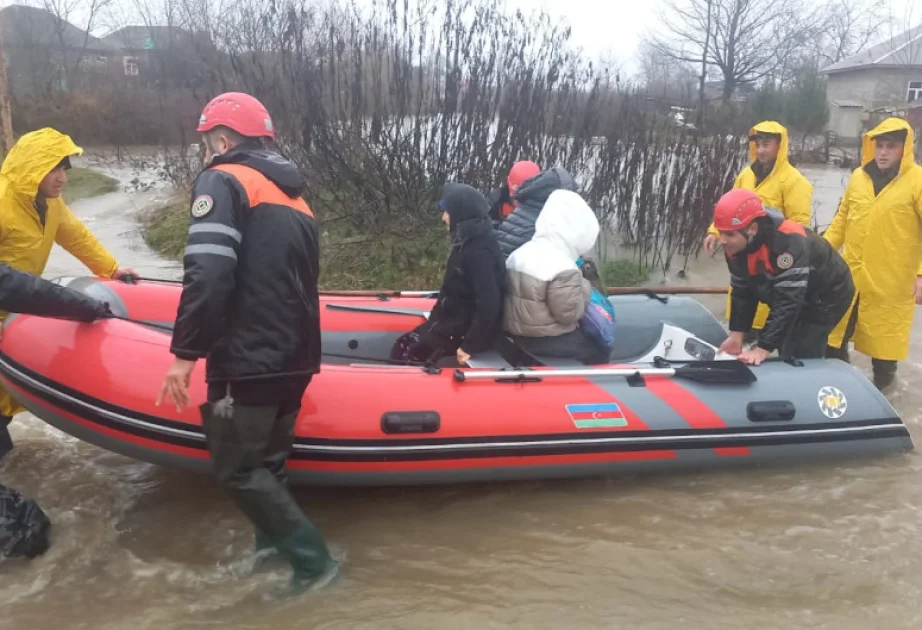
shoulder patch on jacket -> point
(202, 205)
(785, 261)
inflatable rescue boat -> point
(665, 402)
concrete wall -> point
(872, 87)
(846, 122)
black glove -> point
(590, 271)
(499, 197)
(93, 310)
(103, 311)
(504, 193)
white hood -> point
(567, 224)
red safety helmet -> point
(520, 172)
(240, 112)
(737, 209)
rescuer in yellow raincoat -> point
(878, 225)
(777, 183)
(33, 217)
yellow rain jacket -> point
(24, 243)
(785, 188)
(883, 248)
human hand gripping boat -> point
(667, 402)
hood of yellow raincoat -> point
(888, 126)
(32, 157)
(770, 126)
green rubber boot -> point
(266, 552)
(312, 565)
(263, 543)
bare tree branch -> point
(745, 40)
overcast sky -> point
(616, 26)
(604, 27)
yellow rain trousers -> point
(24, 243)
(882, 246)
(785, 189)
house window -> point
(915, 91)
(131, 66)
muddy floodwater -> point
(138, 547)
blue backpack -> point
(599, 320)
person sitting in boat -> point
(501, 202)
(33, 217)
(776, 261)
(22, 292)
(519, 227)
(467, 318)
(547, 292)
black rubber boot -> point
(884, 373)
(6, 440)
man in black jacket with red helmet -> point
(250, 307)
(772, 260)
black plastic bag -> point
(24, 526)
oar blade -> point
(717, 372)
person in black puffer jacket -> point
(519, 227)
(22, 292)
(468, 316)
(24, 527)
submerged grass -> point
(624, 273)
(389, 258)
(83, 183)
(166, 229)
(406, 257)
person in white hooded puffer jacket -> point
(547, 293)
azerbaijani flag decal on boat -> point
(596, 415)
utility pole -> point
(704, 69)
(6, 121)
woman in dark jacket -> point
(468, 315)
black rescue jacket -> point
(22, 292)
(797, 273)
(469, 311)
(250, 302)
(519, 227)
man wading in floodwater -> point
(778, 184)
(878, 224)
(33, 217)
(250, 307)
(804, 281)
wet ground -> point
(139, 547)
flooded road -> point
(139, 547)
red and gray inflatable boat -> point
(665, 403)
